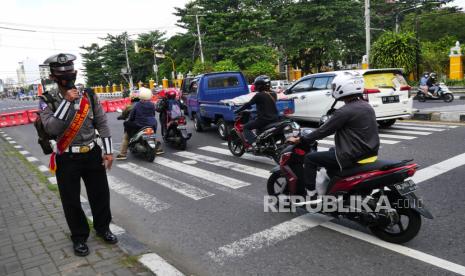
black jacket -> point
(356, 133)
(266, 106)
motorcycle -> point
(443, 94)
(268, 143)
(176, 133)
(371, 183)
(143, 143)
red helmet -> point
(171, 94)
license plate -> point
(406, 187)
(390, 99)
(152, 136)
(181, 127)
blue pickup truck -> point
(206, 95)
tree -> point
(113, 57)
(93, 67)
(260, 68)
(225, 65)
(435, 55)
(142, 62)
(393, 50)
(201, 68)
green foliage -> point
(201, 68)
(249, 55)
(435, 55)
(393, 50)
(260, 68)
(225, 65)
(93, 67)
(455, 82)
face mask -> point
(67, 81)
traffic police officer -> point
(83, 158)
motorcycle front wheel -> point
(235, 145)
(405, 229)
(421, 97)
(448, 98)
(277, 184)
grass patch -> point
(130, 261)
(52, 187)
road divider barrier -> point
(32, 115)
(14, 119)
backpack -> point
(43, 137)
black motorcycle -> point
(270, 140)
(176, 133)
(143, 144)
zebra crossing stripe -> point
(382, 141)
(166, 181)
(426, 125)
(146, 201)
(267, 237)
(403, 137)
(200, 173)
(423, 133)
(225, 164)
(418, 128)
(246, 156)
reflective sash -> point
(71, 131)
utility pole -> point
(367, 30)
(131, 84)
(198, 34)
(155, 66)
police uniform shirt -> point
(56, 123)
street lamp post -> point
(131, 84)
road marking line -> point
(418, 128)
(225, 164)
(8, 138)
(146, 201)
(32, 159)
(267, 237)
(24, 152)
(52, 180)
(166, 181)
(43, 168)
(412, 253)
(158, 265)
(407, 132)
(12, 142)
(404, 137)
(326, 142)
(18, 147)
(382, 141)
(439, 168)
(246, 156)
(427, 125)
(201, 173)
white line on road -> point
(225, 164)
(412, 253)
(201, 173)
(32, 159)
(53, 180)
(8, 138)
(439, 168)
(146, 201)
(158, 265)
(167, 182)
(12, 142)
(382, 141)
(426, 125)
(18, 147)
(406, 132)
(24, 152)
(246, 156)
(267, 237)
(418, 128)
(43, 168)
(403, 137)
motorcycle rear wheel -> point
(182, 145)
(235, 145)
(150, 154)
(405, 234)
(277, 185)
(421, 97)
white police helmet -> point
(347, 84)
(145, 94)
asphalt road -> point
(437, 105)
(10, 105)
(206, 217)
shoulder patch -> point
(42, 105)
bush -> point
(201, 68)
(260, 68)
(225, 65)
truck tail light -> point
(288, 111)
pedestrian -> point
(77, 155)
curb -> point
(128, 244)
(458, 117)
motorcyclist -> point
(169, 105)
(433, 87)
(143, 115)
(423, 80)
(265, 101)
(356, 131)
(134, 96)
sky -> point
(94, 18)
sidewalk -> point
(34, 237)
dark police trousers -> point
(71, 167)
(315, 160)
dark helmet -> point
(433, 75)
(62, 69)
(426, 74)
(262, 83)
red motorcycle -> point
(374, 182)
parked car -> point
(208, 93)
(385, 89)
(279, 86)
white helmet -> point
(145, 94)
(347, 84)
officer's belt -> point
(81, 149)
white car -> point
(385, 89)
(279, 85)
